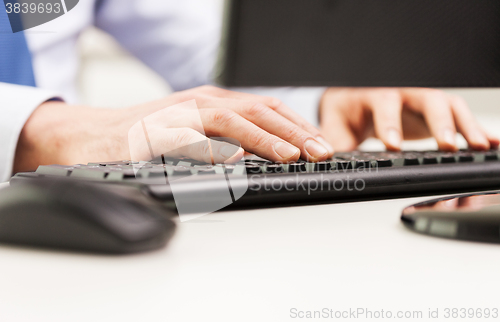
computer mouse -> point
(78, 215)
(473, 217)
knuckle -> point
(258, 140)
(185, 96)
(458, 101)
(389, 95)
(210, 89)
(256, 110)
(222, 117)
(296, 133)
(184, 136)
(432, 96)
(307, 127)
(273, 103)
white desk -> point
(255, 266)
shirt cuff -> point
(303, 100)
(17, 103)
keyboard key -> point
(466, 157)
(115, 176)
(491, 156)
(206, 171)
(239, 169)
(448, 158)
(274, 168)
(181, 171)
(97, 174)
(382, 163)
(362, 164)
(154, 172)
(251, 163)
(158, 161)
(184, 164)
(205, 167)
(253, 169)
(411, 160)
(111, 163)
(430, 159)
(54, 170)
(297, 167)
(342, 165)
(224, 168)
(322, 166)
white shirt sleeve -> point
(17, 102)
(177, 39)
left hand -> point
(349, 116)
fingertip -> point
(315, 151)
(286, 152)
(494, 141)
(447, 141)
(477, 139)
(480, 146)
(327, 145)
(446, 147)
(392, 148)
(393, 140)
(236, 157)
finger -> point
(336, 130)
(182, 142)
(189, 143)
(226, 151)
(226, 123)
(414, 126)
(467, 125)
(494, 140)
(273, 123)
(386, 107)
(435, 106)
(277, 105)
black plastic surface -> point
(472, 217)
(349, 176)
(77, 215)
(429, 43)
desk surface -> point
(256, 266)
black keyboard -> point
(255, 182)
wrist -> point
(57, 133)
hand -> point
(57, 133)
(349, 116)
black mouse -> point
(83, 216)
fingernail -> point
(480, 138)
(492, 138)
(227, 151)
(494, 141)
(449, 137)
(325, 144)
(394, 138)
(315, 149)
(285, 150)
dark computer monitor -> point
(431, 43)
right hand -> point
(57, 133)
(262, 125)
